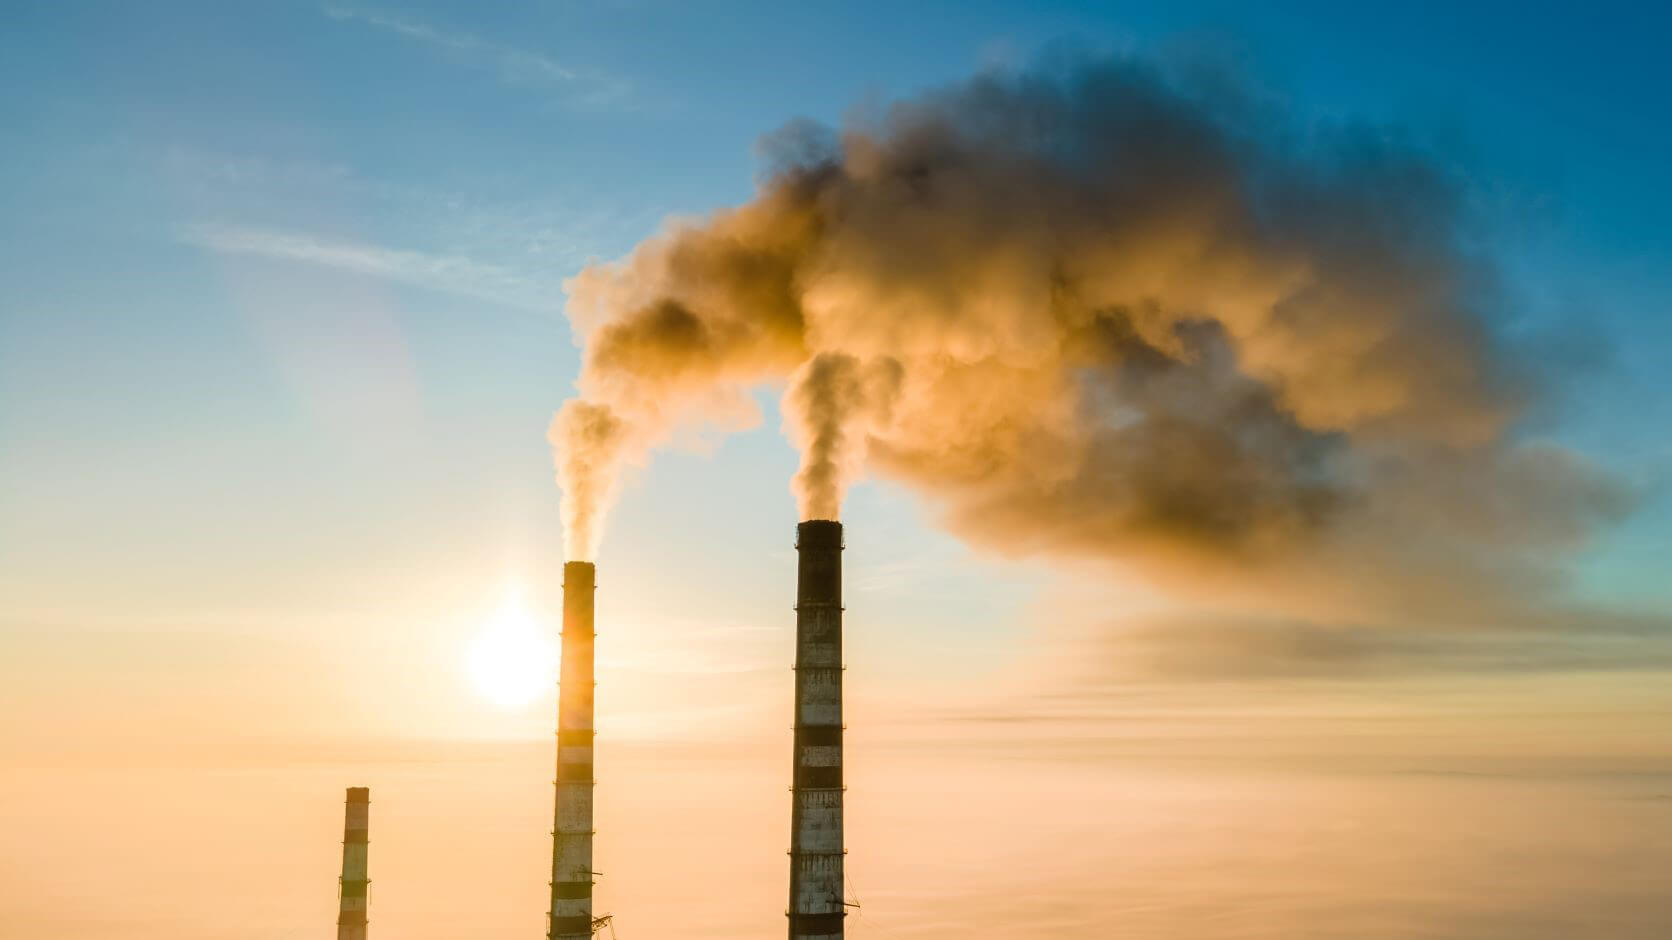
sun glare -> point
(511, 661)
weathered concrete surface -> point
(570, 913)
(816, 849)
(353, 886)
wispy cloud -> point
(448, 273)
(515, 66)
(541, 227)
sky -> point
(282, 327)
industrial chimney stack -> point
(351, 909)
(816, 850)
(570, 914)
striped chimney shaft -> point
(351, 910)
(570, 915)
(816, 849)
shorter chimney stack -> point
(570, 914)
(351, 911)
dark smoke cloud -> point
(1088, 313)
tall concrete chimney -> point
(816, 849)
(570, 914)
(351, 909)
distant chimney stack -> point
(351, 908)
(570, 914)
(816, 850)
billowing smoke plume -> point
(1087, 312)
(589, 441)
(835, 404)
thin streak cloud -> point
(520, 67)
(447, 273)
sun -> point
(511, 662)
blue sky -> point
(280, 309)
